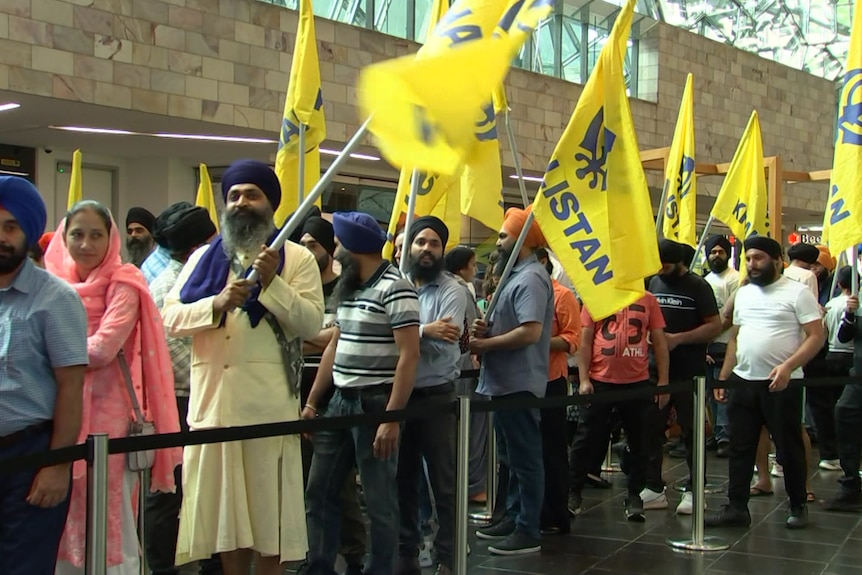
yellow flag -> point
(501, 104)
(424, 108)
(595, 171)
(844, 205)
(303, 105)
(680, 210)
(76, 190)
(742, 200)
(205, 198)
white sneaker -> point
(777, 470)
(425, 557)
(653, 500)
(830, 465)
(686, 504)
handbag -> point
(139, 427)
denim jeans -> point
(29, 536)
(335, 452)
(519, 446)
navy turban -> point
(252, 172)
(21, 199)
(358, 232)
(718, 240)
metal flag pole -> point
(698, 542)
(301, 171)
(507, 271)
(842, 257)
(462, 484)
(315, 193)
(408, 220)
(702, 241)
(660, 213)
(854, 269)
(516, 159)
(97, 504)
(491, 476)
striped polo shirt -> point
(366, 353)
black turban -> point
(765, 244)
(162, 220)
(252, 172)
(806, 253)
(141, 216)
(426, 222)
(718, 240)
(187, 229)
(322, 231)
(297, 233)
(688, 254)
(670, 252)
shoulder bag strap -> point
(127, 377)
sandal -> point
(758, 492)
(809, 497)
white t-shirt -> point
(770, 320)
(724, 285)
(805, 277)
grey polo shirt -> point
(438, 364)
(528, 296)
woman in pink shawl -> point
(85, 252)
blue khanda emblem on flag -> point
(290, 126)
(486, 127)
(598, 149)
(850, 119)
(683, 186)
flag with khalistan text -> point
(742, 200)
(424, 108)
(205, 198)
(843, 221)
(76, 190)
(302, 106)
(595, 171)
(680, 180)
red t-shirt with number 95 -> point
(620, 342)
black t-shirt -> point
(685, 304)
(330, 306)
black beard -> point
(764, 278)
(11, 258)
(502, 258)
(425, 273)
(717, 265)
(139, 249)
(671, 277)
(349, 280)
(244, 230)
(323, 261)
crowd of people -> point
(330, 328)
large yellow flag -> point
(742, 200)
(76, 190)
(596, 170)
(205, 197)
(680, 181)
(424, 109)
(844, 205)
(303, 105)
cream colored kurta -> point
(245, 494)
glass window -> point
(391, 17)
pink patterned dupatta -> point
(146, 349)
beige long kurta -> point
(244, 494)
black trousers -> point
(821, 400)
(593, 430)
(435, 439)
(553, 426)
(750, 408)
(657, 425)
(162, 520)
(848, 417)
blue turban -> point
(21, 199)
(252, 172)
(358, 232)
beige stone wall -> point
(227, 62)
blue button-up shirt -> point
(526, 297)
(438, 362)
(43, 326)
(155, 264)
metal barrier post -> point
(698, 542)
(462, 485)
(143, 488)
(97, 504)
(491, 479)
(608, 466)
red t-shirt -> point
(620, 345)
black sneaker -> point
(497, 531)
(634, 508)
(517, 543)
(711, 444)
(723, 451)
(728, 517)
(598, 482)
(797, 518)
(848, 502)
(575, 503)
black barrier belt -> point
(432, 407)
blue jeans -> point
(29, 536)
(519, 447)
(334, 455)
(720, 422)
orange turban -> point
(45, 240)
(825, 258)
(514, 221)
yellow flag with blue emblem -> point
(680, 180)
(205, 198)
(843, 224)
(302, 106)
(418, 123)
(742, 200)
(76, 189)
(595, 171)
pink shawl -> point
(146, 349)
